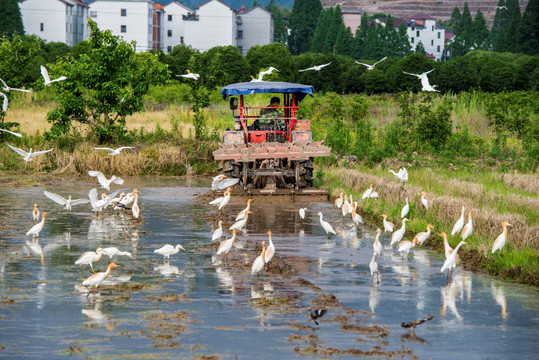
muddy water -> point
(202, 305)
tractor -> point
(269, 150)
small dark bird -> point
(413, 324)
(315, 314)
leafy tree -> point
(103, 86)
(344, 42)
(480, 32)
(455, 19)
(496, 75)
(500, 26)
(178, 59)
(403, 47)
(17, 60)
(279, 24)
(303, 20)
(464, 30)
(420, 49)
(512, 32)
(320, 34)
(277, 55)
(11, 19)
(361, 37)
(223, 65)
(458, 75)
(528, 32)
(54, 50)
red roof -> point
(448, 35)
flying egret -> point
(240, 224)
(8, 89)
(459, 224)
(405, 247)
(316, 67)
(168, 250)
(262, 73)
(190, 75)
(226, 245)
(423, 236)
(97, 278)
(68, 203)
(114, 251)
(402, 175)
(451, 259)
(468, 228)
(424, 81)
(5, 103)
(302, 212)
(45, 74)
(399, 234)
(103, 181)
(371, 67)
(90, 257)
(98, 205)
(221, 182)
(258, 264)
(327, 226)
(405, 209)
(377, 245)
(35, 212)
(501, 239)
(11, 132)
(388, 225)
(28, 156)
(218, 232)
(501, 7)
(114, 152)
(36, 229)
(270, 251)
(241, 214)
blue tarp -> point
(262, 87)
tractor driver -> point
(268, 115)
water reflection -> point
(167, 269)
(96, 317)
(374, 298)
(498, 293)
(449, 298)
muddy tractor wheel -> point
(231, 169)
(305, 174)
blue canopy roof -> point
(262, 87)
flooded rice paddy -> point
(200, 306)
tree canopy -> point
(11, 19)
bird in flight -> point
(424, 81)
(6, 102)
(501, 7)
(316, 314)
(113, 152)
(262, 73)
(28, 156)
(48, 80)
(190, 75)
(316, 67)
(371, 67)
(8, 89)
(11, 132)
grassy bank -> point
(492, 197)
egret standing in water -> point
(226, 245)
(36, 229)
(377, 245)
(240, 224)
(168, 250)
(35, 213)
(241, 214)
(258, 264)
(339, 201)
(501, 239)
(302, 213)
(388, 225)
(325, 225)
(270, 251)
(399, 233)
(218, 232)
(373, 266)
(97, 278)
(90, 257)
(450, 262)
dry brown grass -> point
(529, 183)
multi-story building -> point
(55, 20)
(423, 28)
(254, 27)
(174, 25)
(133, 20)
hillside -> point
(405, 8)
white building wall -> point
(48, 19)
(137, 21)
(430, 35)
(256, 27)
(216, 26)
(174, 25)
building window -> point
(181, 39)
(412, 40)
(123, 12)
(439, 35)
(169, 49)
(413, 28)
(432, 27)
(123, 28)
(169, 17)
(432, 43)
(93, 14)
(169, 33)
(438, 49)
(41, 27)
(240, 34)
(417, 33)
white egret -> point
(424, 200)
(501, 239)
(97, 278)
(377, 245)
(168, 250)
(405, 209)
(35, 212)
(371, 67)
(356, 218)
(262, 73)
(424, 81)
(388, 225)
(423, 236)
(451, 259)
(135, 209)
(114, 251)
(258, 264)
(240, 225)
(36, 229)
(373, 266)
(90, 257)
(190, 75)
(114, 152)
(221, 182)
(399, 234)
(11, 132)
(302, 212)
(270, 251)
(28, 156)
(48, 81)
(241, 214)
(405, 247)
(459, 224)
(103, 181)
(5, 103)
(67, 203)
(325, 225)
(226, 245)
(367, 193)
(8, 89)
(402, 175)
(468, 228)
(316, 67)
(339, 201)
(218, 232)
